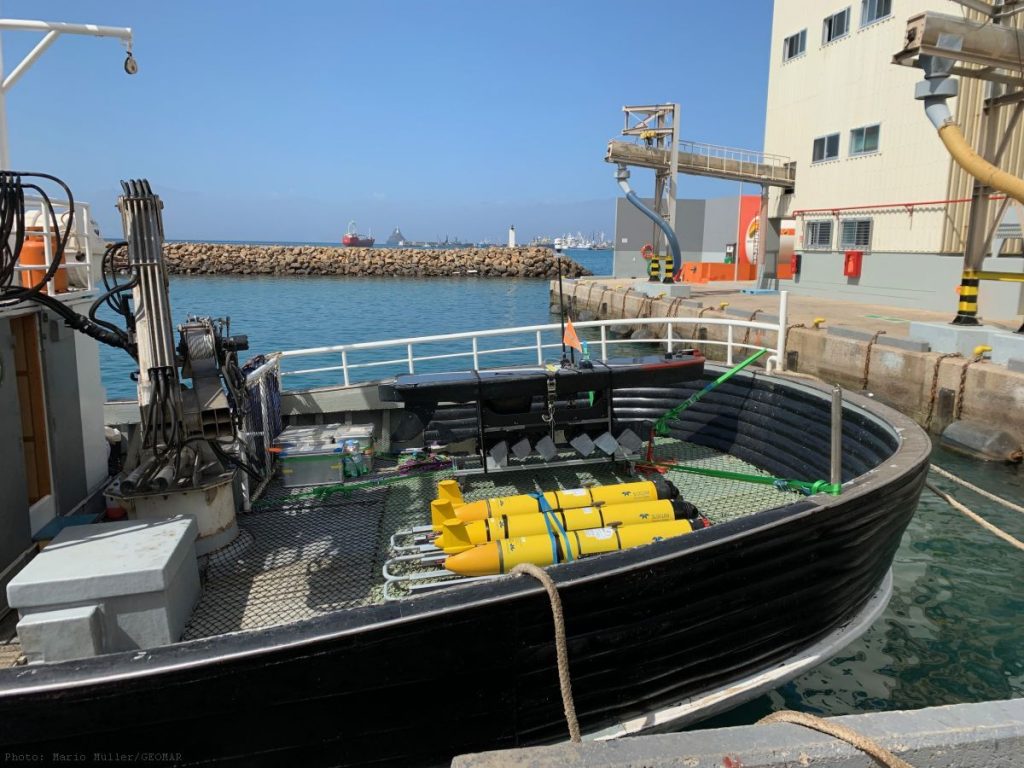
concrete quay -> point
(986, 735)
(862, 347)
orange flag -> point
(570, 339)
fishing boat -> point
(353, 239)
(309, 618)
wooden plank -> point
(32, 405)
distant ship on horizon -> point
(397, 238)
(353, 239)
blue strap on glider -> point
(549, 518)
(545, 510)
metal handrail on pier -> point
(543, 339)
(712, 160)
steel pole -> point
(5, 158)
(836, 473)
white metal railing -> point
(712, 157)
(471, 349)
(79, 254)
(262, 420)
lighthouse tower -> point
(512, 237)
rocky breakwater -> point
(237, 259)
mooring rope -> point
(785, 347)
(976, 517)
(867, 359)
(561, 648)
(882, 755)
(971, 487)
(754, 314)
(697, 326)
(963, 386)
(935, 387)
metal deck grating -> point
(292, 561)
(304, 552)
(721, 500)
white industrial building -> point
(871, 173)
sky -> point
(284, 121)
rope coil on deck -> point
(882, 755)
(561, 647)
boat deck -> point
(304, 552)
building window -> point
(873, 10)
(794, 45)
(855, 235)
(864, 140)
(835, 26)
(818, 235)
(825, 148)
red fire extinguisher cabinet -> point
(852, 263)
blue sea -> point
(953, 631)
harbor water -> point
(952, 631)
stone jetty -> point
(238, 259)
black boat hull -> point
(473, 668)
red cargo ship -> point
(354, 240)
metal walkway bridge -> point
(709, 160)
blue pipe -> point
(622, 176)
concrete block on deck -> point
(692, 304)
(945, 338)
(141, 576)
(62, 635)
(1006, 345)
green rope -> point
(782, 483)
(661, 425)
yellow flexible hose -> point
(980, 168)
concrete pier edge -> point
(984, 735)
(925, 385)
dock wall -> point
(241, 259)
(932, 389)
(987, 735)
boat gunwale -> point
(912, 451)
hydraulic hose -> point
(980, 168)
(934, 91)
(622, 176)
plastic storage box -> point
(311, 463)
